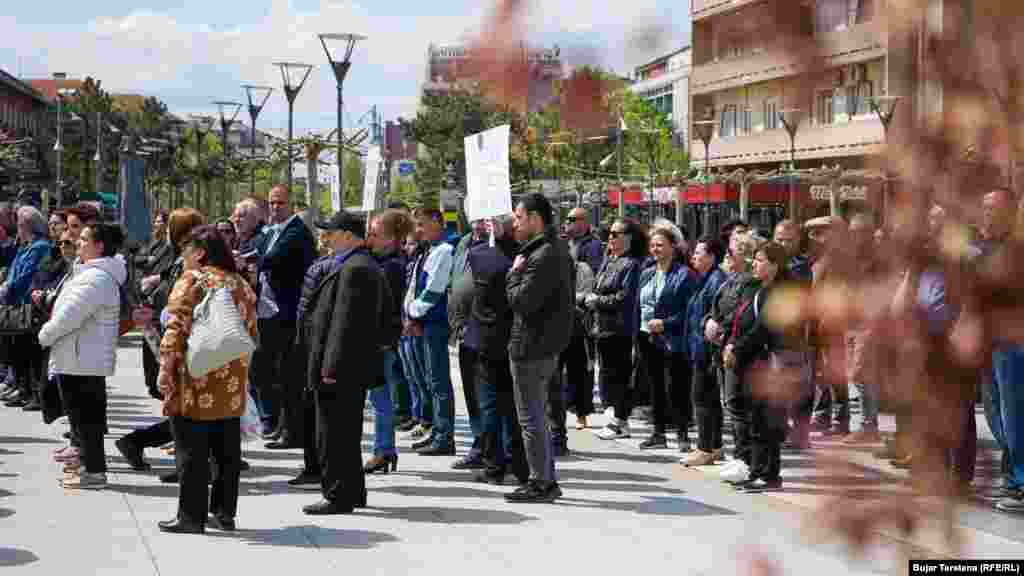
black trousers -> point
(65, 401)
(27, 362)
(310, 456)
(195, 443)
(150, 370)
(767, 432)
(616, 353)
(556, 410)
(736, 400)
(467, 372)
(277, 379)
(152, 436)
(87, 401)
(707, 402)
(575, 361)
(501, 439)
(670, 398)
(339, 423)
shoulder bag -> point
(219, 336)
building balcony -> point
(862, 136)
(861, 43)
(666, 79)
(701, 9)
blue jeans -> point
(1008, 408)
(383, 421)
(419, 397)
(500, 438)
(432, 348)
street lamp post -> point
(790, 118)
(58, 147)
(201, 125)
(258, 96)
(290, 74)
(98, 157)
(705, 131)
(340, 59)
(885, 108)
(228, 112)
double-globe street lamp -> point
(58, 146)
(201, 125)
(258, 96)
(294, 75)
(338, 48)
(705, 132)
(228, 112)
(790, 119)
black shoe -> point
(535, 492)
(469, 462)
(132, 454)
(433, 450)
(406, 425)
(169, 478)
(19, 402)
(489, 478)
(178, 526)
(155, 394)
(384, 464)
(33, 406)
(305, 480)
(66, 435)
(742, 484)
(274, 434)
(282, 444)
(655, 441)
(426, 441)
(326, 508)
(757, 486)
(222, 523)
(243, 465)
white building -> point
(665, 82)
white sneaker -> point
(613, 430)
(735, 472)
(609, 412)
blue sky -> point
(192, 52)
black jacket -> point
(490, 319)
(617, 288)
(394, 266)
(345, 318)
(285, 263)
(542, 298)
(154, 258)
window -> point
(858, 98)
(727, 125)
(746, 120)
(831, 16)
(826, 107)
(771, 115)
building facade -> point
(665, 83)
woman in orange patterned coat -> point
(205, 412)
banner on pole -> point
(488, 189)
(370, 178)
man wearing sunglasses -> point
(583, 245)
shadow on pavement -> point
(624, 487)
(606, 476)
(6, 475)
(309, 536)
(27, 440)
(656, 505)
(5, 493)
(623, 456)
(16, 557)
(441, 515)
(6, 452)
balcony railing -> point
(860, 43)
(700, 9)
(813, 141)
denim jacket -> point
(680, 284)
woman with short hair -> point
(615, 321)
(82, 336)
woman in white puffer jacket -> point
(82, 334)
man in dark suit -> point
(287, 250)
(350, 325)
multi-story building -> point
(748, 79)
(665, 83)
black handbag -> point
(20, 319)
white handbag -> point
(219, 335)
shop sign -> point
(823, 192)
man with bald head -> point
(583, 245)
(286, 251)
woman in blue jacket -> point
(707, 256)
(665, 288)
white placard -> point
(370, 179)
(488, 189)
(333, 178)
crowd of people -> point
(370, 308)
